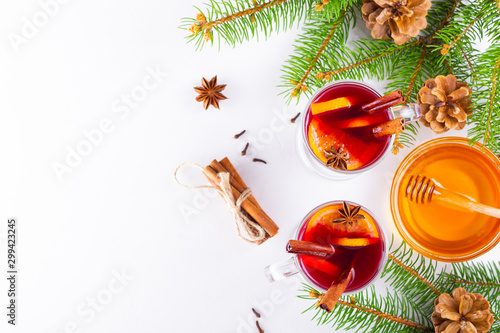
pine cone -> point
(464, 312)
(445, 103)
(399, 19)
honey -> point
(442, 231)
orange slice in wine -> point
(332, 105)
(362, 229)
(321, 265)
(361, 121)
(320, 226)
(323, 136)
(353, 242)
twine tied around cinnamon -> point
(247, 229)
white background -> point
(119, 208)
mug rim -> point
(383, 260)
(305, 139)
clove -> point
(258, 326)
(295, 118)
(259, 160)
(256, 313)
(236, 136)
(244, 152)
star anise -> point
(349, 215)
(210, 94)
(336, 158)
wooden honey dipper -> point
(422, 189)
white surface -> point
(119, 209)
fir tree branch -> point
(488, 24)
(415, 274)
(468, 62)
(479, 277)
(238, 20)
(328, 75)
(453, 27)
(435, 10)
(332, 9)
(250, 11)
(486, 99)
(455, 61)
(482, 284)
(368, 311)
(380, 314)
(448, 67)
(418, 68)
(487, 129)
(327, 36)
(447, 47)
(300, 84)
(397, 145)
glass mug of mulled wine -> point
(349, 127)
(337, 242)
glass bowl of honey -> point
(447, 232)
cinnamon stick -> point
(389, 127)
(225, 165)
(255, 212)
(382, 100)
(337, 289)
(228, 166)
(309, 248)
(236, 181)
(235, 178)
(385, 106)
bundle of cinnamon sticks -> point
(250, 206)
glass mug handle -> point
(411, 112)
(281, 270)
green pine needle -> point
(446, 46)
(486, 98)
(408, 305)
(368, 311)
(235, 21)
